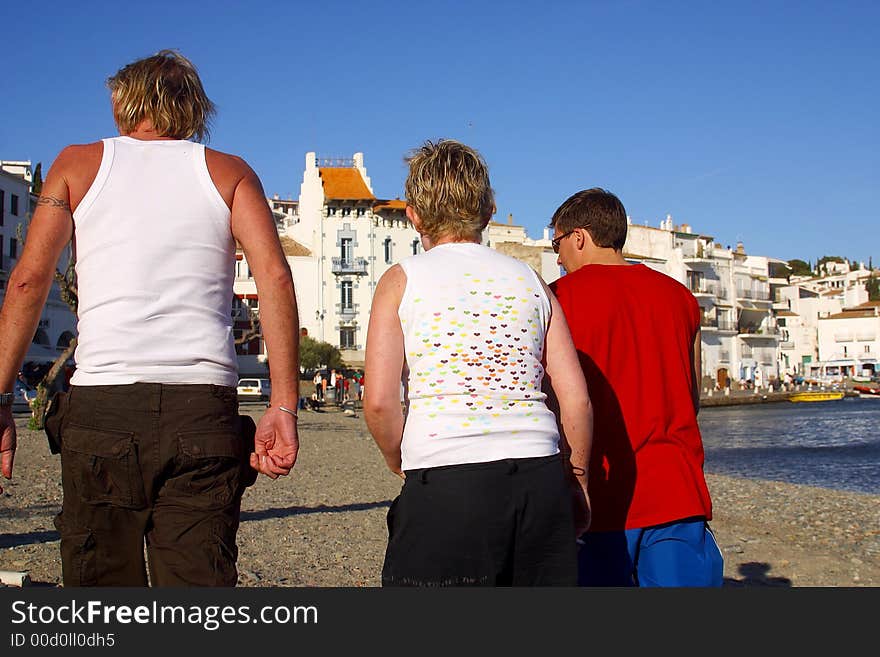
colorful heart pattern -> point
(479, 359)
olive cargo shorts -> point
(161, 463)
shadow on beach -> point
(286, 512)
(756, 574)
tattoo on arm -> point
(51, 201)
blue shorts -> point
(682, 553)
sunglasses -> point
(556, 241)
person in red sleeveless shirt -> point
(637, 333)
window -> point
(361, 212)
(346, 212)
(13, 205)
(346, 250)
(331, 212)
(387, 250)
(2, 205)
(415, 247)
(844, 350)
(346, 337)
(346, 299)
(867, 349)
(13, 247)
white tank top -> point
(474, 323)
(155, 263)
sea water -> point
(831, 444)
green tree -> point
(800, 268)
(38, 179)
(829, 258)
(314, 354)
(873, 287)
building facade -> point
(757, 323)
(57, 326)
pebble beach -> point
(324, 525)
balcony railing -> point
(756, 295)
(703, 287)
(746, 352)
(347, 312)
(708, 322)
(759, 331)
(349, 265)
(786, 344)
(726, 325)
(724, 357)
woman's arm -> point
(575, 413)
(384, 368)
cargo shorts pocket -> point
(211, 467)
(103, 466)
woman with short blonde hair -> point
(478, 341)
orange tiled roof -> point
(393, 204)
(290, 247)
(850, 315)
(786, 313)
(293, 248)
(344, 183)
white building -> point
(849, 342)
(57, 325)
(339, 239)
(804, 302)
(739, 333)
(512, 239)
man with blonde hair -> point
(153, 449)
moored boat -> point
(816, 396)
(866, 392)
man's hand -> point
(7, 442)
(276, 444)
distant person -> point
(340, 387)
(153, 449)
(649, 498)
(319, 389)
(355, 387)
(475, 336)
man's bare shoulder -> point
(227, 161)
(75, 155)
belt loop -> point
(423, 477)
(512, 467)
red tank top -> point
(634, 329)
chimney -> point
(510, 219)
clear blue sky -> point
(750, 121)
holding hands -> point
(276, 442)
(7, 443)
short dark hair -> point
(596, 210)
